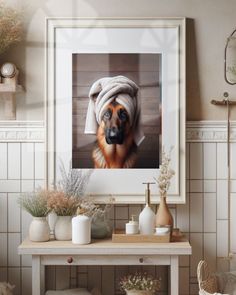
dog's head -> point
(115, 123)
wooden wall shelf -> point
(10, 88)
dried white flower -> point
(96, 211)
(166, 173)
(73, 182)
(140, 281)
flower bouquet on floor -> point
(140, 284)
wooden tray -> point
(119, 236)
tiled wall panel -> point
(204, 218)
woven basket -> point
(207, 282)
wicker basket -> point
(207, 281)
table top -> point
(104, 247)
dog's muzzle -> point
(114, 135)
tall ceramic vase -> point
(163, 215)
(63, 228)
(39, 230)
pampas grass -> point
(35, 203)
(61, 203)
(10, 27)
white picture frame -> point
(65, 36)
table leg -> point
(42, 277)
(36, 275)
(174, 275)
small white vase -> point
(138, 292)
(39, 230)
(63, 228)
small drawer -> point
(105, 260)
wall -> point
(204, 218)
(210, 23)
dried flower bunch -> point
(166, 173)
(140, 281)
(64, 200)
(96, 211)
(35, 203)
(74, 182)
(61, 203)
(10, 27)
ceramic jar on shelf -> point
(100, 228)
(39, 230)
(63, 228)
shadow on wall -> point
(193, 95)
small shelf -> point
(8, 93)
(10, 88)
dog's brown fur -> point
(114, 155)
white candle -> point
(81, 230)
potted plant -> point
(163, 215)
(11, 28)
(100, 224)
(65, 207)
(64, 200)
(36, 204)
(139, 284)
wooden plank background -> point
(144, 70)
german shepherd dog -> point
(115, 147)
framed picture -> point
(116, 99)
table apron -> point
(105, 259)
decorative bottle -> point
(147, 216)
(163, 216)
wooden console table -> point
(103, 252)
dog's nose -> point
(114, 136)
(113, 132)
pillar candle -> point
(81, 230)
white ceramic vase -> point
(39, 230)
(138, 292)
(63, 228)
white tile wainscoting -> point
(204, 218)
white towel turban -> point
(120, 89)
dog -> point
(115, 146)
(114, 115)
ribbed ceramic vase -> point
(39, 230)
(138, 292)
(163, 215)
(63, 228)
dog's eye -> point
(123, 115)
(107, 114)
